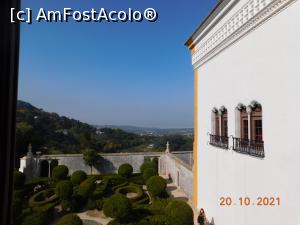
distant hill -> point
(152, 131)
(51, 133)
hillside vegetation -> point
(51, 133)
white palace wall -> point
(264, 65)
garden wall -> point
(179, 170)
(108, 163)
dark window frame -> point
(9, 52)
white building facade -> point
(246, 59)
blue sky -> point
(113, 73)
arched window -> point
(249, 129)
(219, 128)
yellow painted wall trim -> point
(195, 146)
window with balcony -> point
(219, 130)
(249, 130)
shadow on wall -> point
(104, 166)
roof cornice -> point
(245, 20)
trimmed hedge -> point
(42, 198)
(64, 189)
(67, 205)
(78, 176)
(149, 172)
(157, 220)
(117, 206)
(43, 182)
(17, 204)
(146, 165)
(36, 218)
(70, 219)
(100, 203)
(19, 179)
(91, 204)
(60, 173)
(125, 170)
(179, 213)
(131, 188)
(137, 179)
(158, 206)
(87, 187)
(156, 186)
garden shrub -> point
(77, 177)
(78, 202)
(16, 205)
(179, 213)
(87, 187)
(43, 197)
(117, 206)
(144, 200)
(158, 206)
(114, 180)
(149, 172)
(60, 173)
(36, 218)
(47, 208)
(157, 220)
(42, 182)
(91, 204)
(155, 161)
(64, 189)
(146, 165)
(125, 170)
(70, 219)
(137, 179)
(118, 186)
(131, 188)
(67, 205)
(19, 179)
(156, 186)
(99, 204)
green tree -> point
(24, 134)
(90, 158)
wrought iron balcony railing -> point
(250, 147)
(218, 141)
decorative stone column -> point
(213, 120)
(167, 147)
(249, 110)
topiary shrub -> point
(77, 177)
(67, 205)
(91, 204)
(86, 188)
(179, 213)
(64, 189)
(117, 206)
(155, 161)
(146, 165)
(78, 202)
(70, 219)
(137, 179)
(17, 204)
(125, 170)
(19, 179)
(138, 192)
(156, 186)
(43, 197)
(99, 204)
(157, 220)
(36, 218)
(60, 173)
(158, 206)
(149, 172)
